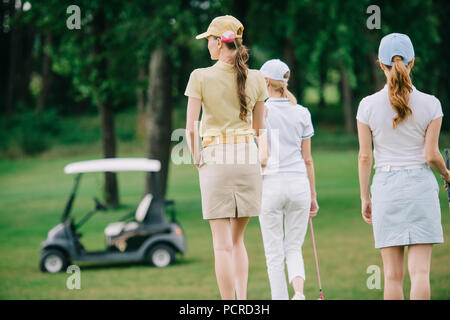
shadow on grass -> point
(125, 265)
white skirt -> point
(405, 208)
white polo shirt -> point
(404, 145)
(287, 125)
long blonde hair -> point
(399, 88)
(281, 87)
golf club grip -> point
(447, 164)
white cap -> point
(275, 69)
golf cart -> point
(149, 237)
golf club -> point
(447, 164)
(321, 297)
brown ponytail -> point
(399, 87)
(240, 63)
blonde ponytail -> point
(399, 88)
(281, 87)
(290, 96)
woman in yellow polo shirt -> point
(229, 163)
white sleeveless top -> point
(404, 145)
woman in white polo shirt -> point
(289, 193)
(403, 124)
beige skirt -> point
(230, 180)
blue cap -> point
(395, 44)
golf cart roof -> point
(114, 165)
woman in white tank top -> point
(402, 203)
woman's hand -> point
(263, 148)
(264, 160)
(446, 180)
(314, 207)
(197, 162)
(366, 210)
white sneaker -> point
(298, 296)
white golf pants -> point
(286, 200)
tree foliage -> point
(319, 39)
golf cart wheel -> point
(161, 255)
(53, 261)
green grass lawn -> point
(33, 193)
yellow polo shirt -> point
(216, 86)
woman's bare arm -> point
(364, 159)
(432, 153)
(261, 137)
(364, 169)
(192, 114)
(307, 157)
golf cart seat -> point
(115, 228)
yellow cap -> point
(221, 24)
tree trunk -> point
(5, 36)
(14, 49)
(20, 61)
(105, 111)
(322, 81)
(109, 151)
(443, 75)
(291, 60)
(378, 78)
(347, 101)
(47, 76)
(184, 70)
(159, 110)
(140, 100)
(240, 10)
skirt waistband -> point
(285, 175)
(388, 168)
(227, 139)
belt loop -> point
(388, 168)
